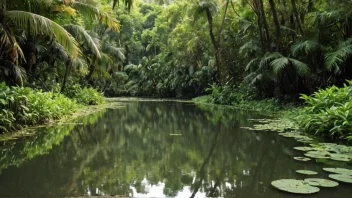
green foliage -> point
(240, 98)
(87, 96)
(25, 106)
(328, 112)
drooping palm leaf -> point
(36, 24)
(305, 46)
(335, 59)
(279, 64)
(115, 51)
(302, 69)
(81, 34)
(93, 12)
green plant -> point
(87, 96)
(328, 112)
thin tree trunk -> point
(298, 19)
(277, 25)
(265, 24)
(67, 73)
(223, 72)
(213, 41)
(91, 69)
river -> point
(155, 149)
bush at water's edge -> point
(23, 106)
(326, 113)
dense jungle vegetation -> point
(234, 50)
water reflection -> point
(130, 152)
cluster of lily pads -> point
(311, 185)
(276, 125)
(332, 151)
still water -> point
(155, 149)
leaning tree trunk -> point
(214, 42)
(277, 25)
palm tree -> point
(13, 22)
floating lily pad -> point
(341, 157)
(321, 182)
(342, 178)
(294, 186)
(303, 159)
(343, 171)
(318, 154)
(303, 148)
(306, 172)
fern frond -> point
(301, 68)
(268, 57)
(252, 63)
(305, 46)
(279, 64)
(334, 60)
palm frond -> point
(301, 68)
(305, 46)
(253, 62)
(250, 46)
(79, 33)
(115, 51)
(279, 64)
(93, 12)
(36, 24)
(267, 58)
(335, 59)
(80, 65)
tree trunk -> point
(296, 14)
(265, 24)
(215, 44)
(67, 73)
(277, 25)
(91, 69)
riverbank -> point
(23, 107)
(81, 111)
(325, 114)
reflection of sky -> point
(156, 191)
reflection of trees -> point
(124, 146)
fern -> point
(305, 46)
(335, 59)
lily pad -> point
(318, 154)
(303, 159)
(306, 172)
(294, 186)
(342, 178)
(321, 182)
(303, 148)
(341, 157)
(343, 171)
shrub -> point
(87, 96)
(25, 106)
(328, 112)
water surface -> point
(155, 149)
